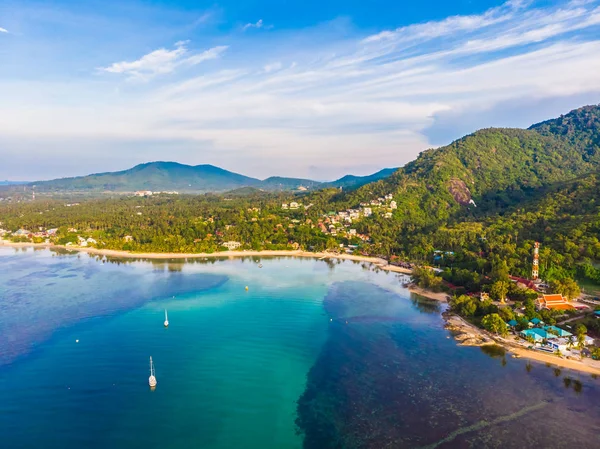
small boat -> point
(260, 265)
(166, 319)
(152, 379)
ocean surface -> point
(314, 354)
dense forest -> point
(482, 199)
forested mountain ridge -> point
(172, 176)
(485, 198)
(580, 128)
(494, 167)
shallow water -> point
(315, 354)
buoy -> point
(246, 288)
(330, 319)
(76, 341)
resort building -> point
(553, 302)
(294, 205)
(231, 245)
(558, 331)
(529, 333)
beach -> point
(470, 335)
(466, 333)
(379, 262)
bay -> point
(313, 354)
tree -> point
(465, 306)
(494, 323)
(581, 332)
(566, 287)
(499, 290)
(499, 271)
(506, 313)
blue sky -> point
(310, 89)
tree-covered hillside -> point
(482, 199)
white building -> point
(388, 215)
(294, 205)
(367, 211)
(393, 205)
(231, 245)
(143, 193)
(285, 206)
(352, 232)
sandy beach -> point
(470, 335)
(380, 263)
(438, 296)
(465, 333)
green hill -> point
(172, 176)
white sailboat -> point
(166, 319)
(152, 379)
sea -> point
(260, 353)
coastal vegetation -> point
(473, 208)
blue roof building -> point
(558, 331)
(529, 333)
(512, 323)
(535, 321)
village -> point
(517, 326)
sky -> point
(290, 88)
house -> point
(284, 206)
(82, 241)
(24, 232)
(294, 205)
(588, 341)
(543, 333)
(513, 323)
(128, 238)
(91, 241)
(553, 302)
(559, 344)
(393, 205)
(231, 245)
(367, 211)
(388, 215)
(558, 331)
(143, 193)
(535, 322)
(302, 189)
(529, 333)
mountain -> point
(12, 183)
(155, 176)
(172, 176)
(350, 181)
(493, 167)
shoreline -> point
(379, 262)
(469, 335)
(465, 333)
(437, 296)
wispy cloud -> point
(369, 100)
(258, 24)
(3, 30)
(273, 66)
(163, 61)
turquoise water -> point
(314, 354)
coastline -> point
(470, 335)
(438, 296)
(380, 263)
(465, 333)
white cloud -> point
(336, 104)
(163, 61)
(272, 67)
(258, 24)
(3, 30)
